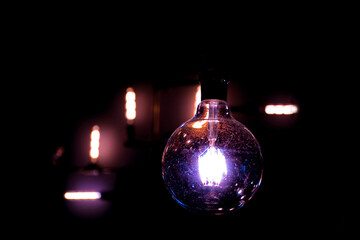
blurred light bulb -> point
(281, 109)
(95, 144)
(130, 105)
(82, 195)
(212, 164)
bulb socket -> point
(213, 85)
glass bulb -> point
(212, 164)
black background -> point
(55, 62)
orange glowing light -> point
(197, 99)
(130, 104)
(82, 195)
(281, 109)
(94, 144)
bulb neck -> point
(213, 109)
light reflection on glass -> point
(200, 124)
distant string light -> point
(280, 109)
(130, 105)
(82, 195)
(95, 144)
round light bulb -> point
(212, 164)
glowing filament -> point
(212, 167)
(82, 195)
(95, 143)
(281, 109)
(130, 104)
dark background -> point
(61, 61)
